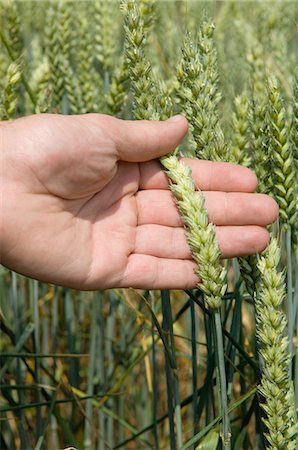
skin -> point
(86, 205)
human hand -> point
(86, 204)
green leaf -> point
(210, 441)
(214, 422)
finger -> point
(158, 207)
(207, 175)
(171, 243)
(143, 140)
(149, 272)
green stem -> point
(154, 377)
(169, 373)
(33, 286)
(194, 366)
(90, 380)
(222, 383)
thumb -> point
(143, 140)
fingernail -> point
(175, 118)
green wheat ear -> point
(198, 93)
(259, 119)
(40, 85)
(275, 386)
(104, 33)
(11, 23)
(249, 273)
(294, 134)
(294, 145)
(63, 82)
(117, 95)
(283, 165)
(200, 233)
(239, 150)
(89, 81)
(9, 98)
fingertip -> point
(178, 120)
(253, 180)
(268, 209)
(178, 128)
(144, 140)
(181, 123)
(264, 239)
(246, 178)
(273, 209)
(254, 240)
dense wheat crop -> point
(209, 368)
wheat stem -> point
(222, 387)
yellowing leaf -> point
(210, 441)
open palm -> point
(87, 205)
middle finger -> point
(224, 208)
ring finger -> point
(171, 243)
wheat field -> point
(211, 368)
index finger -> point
(207, 175)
